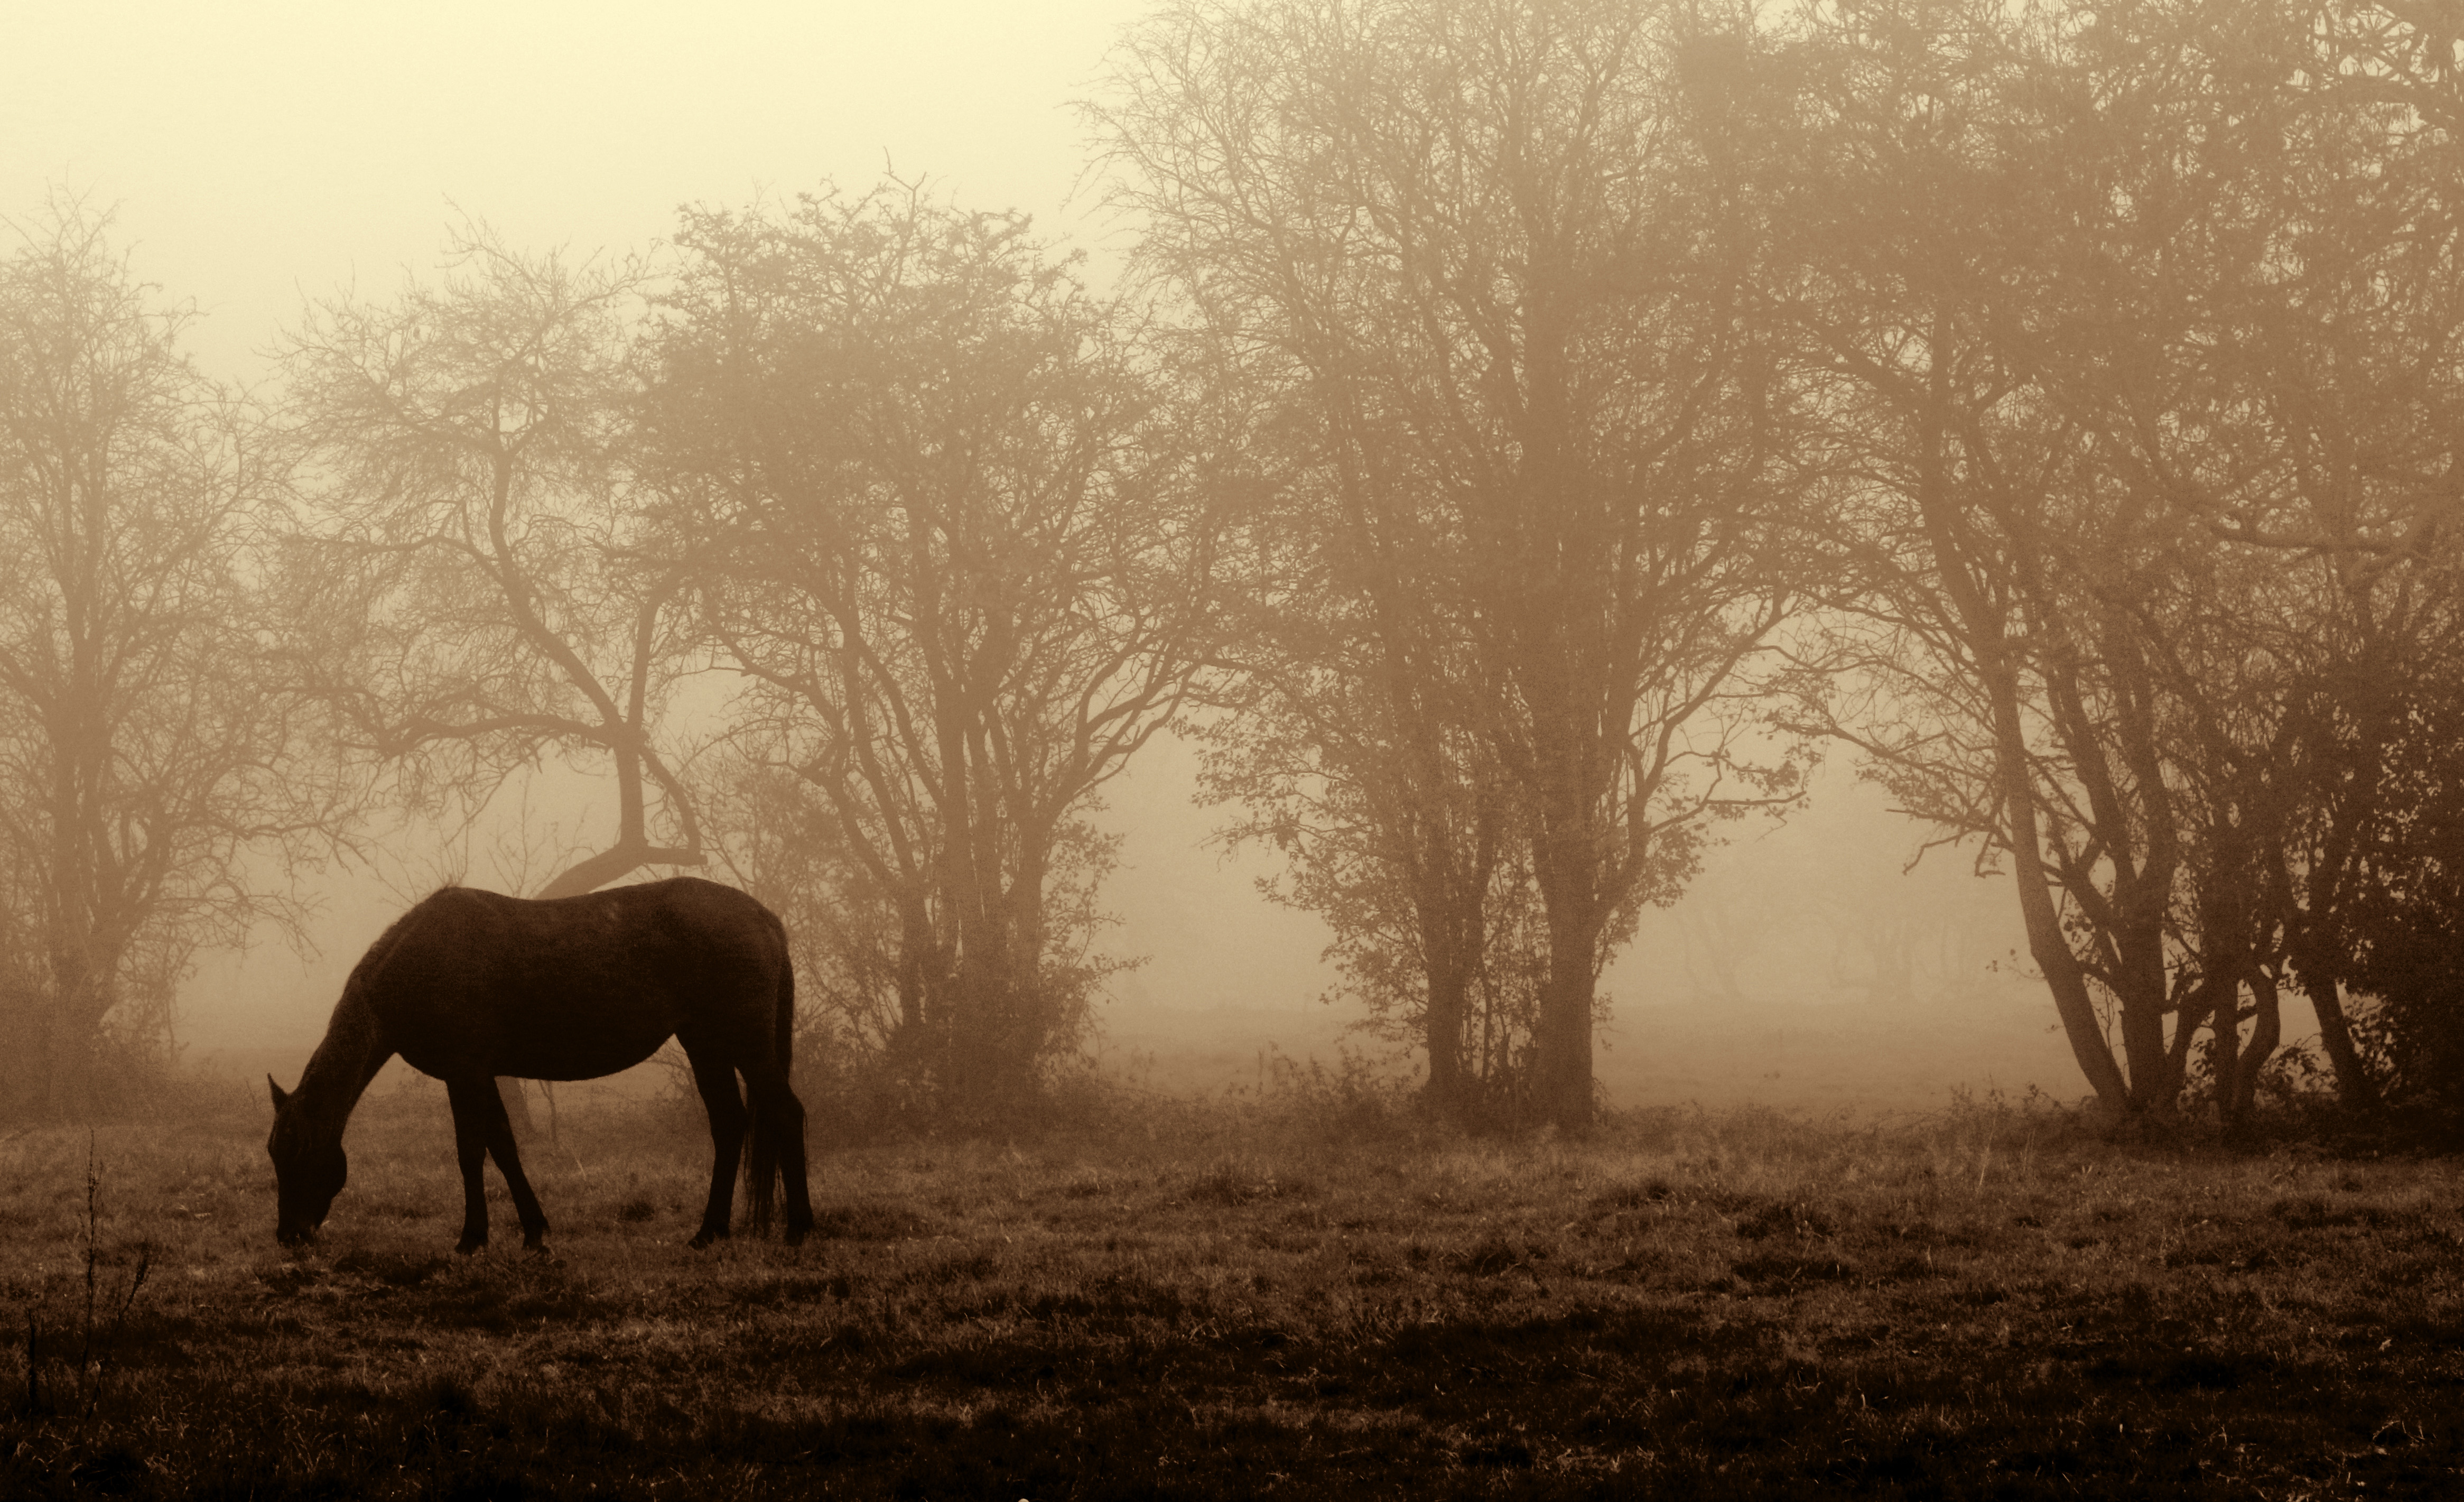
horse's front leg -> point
(471, 1149)
(497, 1133)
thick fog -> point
(255, 157)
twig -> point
(93, 1255)
(91, 1360)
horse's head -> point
(309, 1169)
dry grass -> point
(1238, 1301)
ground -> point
(1298, 1295)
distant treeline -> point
(1525, 434)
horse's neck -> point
(338, 1071)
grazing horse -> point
(468, 985)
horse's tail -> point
(762, 1161)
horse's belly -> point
(581, 1058)
(567, 1054)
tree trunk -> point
(2051, 951)
(80, 1000)
(1985, 631)
(1563, 1089)
(2196, 1008)
(66, 1060)
(1443, 1036)
(2267, 1030)
(919, 966)
(2224, 1049)
(2354, 1085)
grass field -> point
(1294, 1297)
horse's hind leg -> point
(780, 1128)
(716, 1079)
(480, 1128)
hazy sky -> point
(260, 154)
(257, 152)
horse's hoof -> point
(534, 1249)
(466, 1246)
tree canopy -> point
(1525, 433)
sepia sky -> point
(260, 152)
(257, 155)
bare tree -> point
(1491, 254)
(1350, 733)
(2337, 383)
(478, 579)
(150, 791)
(951, 540)
(1397, 826)
(2139, 386)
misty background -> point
(254, 158)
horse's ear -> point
(279, 1097)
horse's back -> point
(578, 987)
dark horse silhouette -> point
(468, 985)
